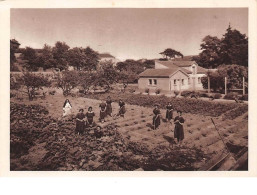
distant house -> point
(107, 57)
(172, 75)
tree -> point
(149, 64)
(210, 55)
(60, 55)
(77, 58)
(234, 74)
(67, 80)
(91, 59)
(46, 59)
(121, 66)
(33, 82)
(234, 47)
(171, 53)
(86, 80)
(31, 59)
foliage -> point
(31, 59)
(210, 55)
(60, 55)
(157, 91)
(14, 82)
(232, 48)
(171, 53)
(194, 106)
(147, 90)
(186, 93)
(244, 97)
(91, 59)
(46, 59)
(234, 113)
(148, 64)
(230, 96)
(67, 80)
(216, 95)
(176, 93)
(33, 83)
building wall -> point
(181, 82)
(162, 83)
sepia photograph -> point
(129, 89)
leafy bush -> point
(194, 106)
(234, 113)
(230, 96)
(203, 94)
(176, 93)
(217, 96)
(186, 93)
(244, 97)
(147, 90)
(158, 91)
(33, 82)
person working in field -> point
(122, 109)
(80, 123)
(109, 106)
(156, 117)
(179, 130)
(90, 117)
(169, 112)
(102, 107)
(66, 107)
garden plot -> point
(126, 143)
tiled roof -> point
(159, 72)
(201, 70)
(105, 55)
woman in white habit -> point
(66, 107)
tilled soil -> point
(40, 142)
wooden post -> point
(225, 85)
(243, 85)
(209, 85)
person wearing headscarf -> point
(179, 130)
(109, 106)
(169, 112)
(90, 117)
(80, 123)
(102, 107)
(67, 107)
(156, 117)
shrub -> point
(147, 90)
(203, 94)
(244, 97)
(186, 93)
(33, 83)
(52, 92)
(158, 91)
(230, 96)
(176, 93)
(217, 96)
(67, 81)
(239, 111)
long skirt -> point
(109, 109)
(80, 125)
(169, 114)
(90, 121)
(122, 111)
(179, 132)
(102, 114)
(156, 121)
(66, 111)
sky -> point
(126, 33)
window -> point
(194, 72)
(199, 80)
(175, 81)
(155, 82)
(150, 82)
(182, 81)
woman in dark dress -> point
(102, 107)
(109, 106)
(122, 108)
(169, 112)
(179, 130)
(80, 123)
(90, 117)
(156, 117)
